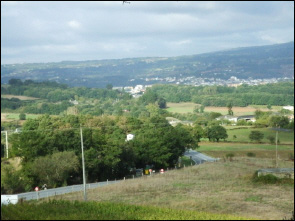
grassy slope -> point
(66, 210)
(221, 188)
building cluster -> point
(136, 91)
(201, 81)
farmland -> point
(6, 117)
(23, 98)
(220, 150)
(242, 135)
(188, 107)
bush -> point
(22, 116)
(271, 139)
(266, 179)
(250, 154)
(230, 156)
(271, 179)
(12, 182)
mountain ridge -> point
(257, 62)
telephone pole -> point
(6, 141)
(83, 165)
(277, 148)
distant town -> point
(233, 81)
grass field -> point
(24, 98)
(219, 188)
(188, 107)
(242, 135)
(15, 116)
(261, 150)
(66, 210)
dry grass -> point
(221, 187)
(188, 107)
(23, 98)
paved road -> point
(198, 157)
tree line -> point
(270, 94)
(50, 149)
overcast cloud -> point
(58, 31)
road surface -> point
(198, 157)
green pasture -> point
(66, 210)
(181, 107)
(273, 108)
(15, 116)
(220, 150)
(222, 146)
(242, 135)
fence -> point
(36, 195)
(5, 199)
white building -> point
(291, 108)
(129, 137)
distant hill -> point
(263, 62)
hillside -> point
(263, 62)
(224, 187)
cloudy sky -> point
(59, 31)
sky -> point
(44, 31)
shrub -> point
(271, 139)
(250, 154)
(230, 156)
(271, 179)
(266, 179)
(22, 116)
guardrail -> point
(35, 195)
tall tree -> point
(216, 133)
(256, 135)
(230, 111)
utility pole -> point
(6, 133)
(6, 140)
(83, 165)
(277, 147)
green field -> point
(242, 135)
(66, 210)
(181, 107)
(221, 149)
(15, 116)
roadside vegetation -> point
(66, 210)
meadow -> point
(221, 149)
(67, 210)
(223, 187)
(188, 107)
(23, 98)
(242, 135)
(6, 117)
